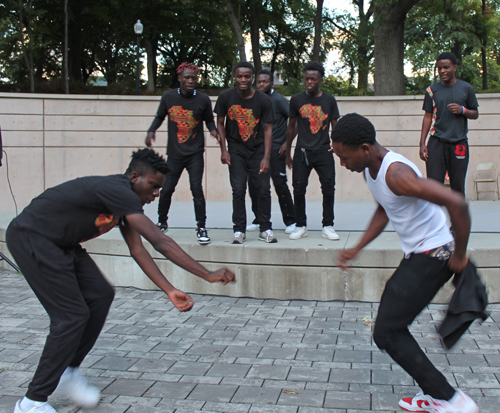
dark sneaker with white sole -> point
(203, 238)
(162, 227)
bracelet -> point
(464, 111)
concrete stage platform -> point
(302, 269)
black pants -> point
(303, 163)
(277, 169)
(413, 286)
(451, 157)
(242, 169)
(194, 164)
(75, 295)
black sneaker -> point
(203, 237)
(162, 227)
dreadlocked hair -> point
(146, 160)
(187, 66)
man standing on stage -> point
(45, 242)
(432, 254)
(245, 119)
(312, 111)
(277, 165)
(187, 109)
(448, 105)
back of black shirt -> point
(81, 209)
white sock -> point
(69, 370)
(26, 404)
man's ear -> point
(134, 176)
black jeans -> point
(303, 163)
(451, 157)
(412, 286)
(242, 169)
(194, 164)
(277, 169)
(75, 295)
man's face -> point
(355, 160)
(446, 70)
(243, 77)
(188, 79)
(312, 80)
(264, 83)
(147, 186)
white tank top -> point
(420, 225)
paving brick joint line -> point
(242, 355)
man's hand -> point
(180, 300)
(283, 150)
(264, 166)
(424, 153)
(289, 161)
(214, 134)
(457, 264)
(223, 276)
(150, 139)
(346, 255)
(455, 108)
(225, 158)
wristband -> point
(464, 110)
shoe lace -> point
(238, 233)
(202, 232)
(269, 232)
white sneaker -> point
(75, 387)
(38, 407)
(253, 227)
(298, 233)
(418, 403)
(459, 403)
(290, 228)
(238, 237)
(329, 232)
(267, 236)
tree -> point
(390, 18)
(318, 26)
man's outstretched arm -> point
(402, 180)
(377, 224)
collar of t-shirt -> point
(179, 92)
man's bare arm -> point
(426, 126)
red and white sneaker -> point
(419, 403)
(459, 403)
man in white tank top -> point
(432, 254)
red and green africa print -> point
(185, 121)
(245, 119)
(315, 115)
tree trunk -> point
(151, 47)
(389, 46)
(27, 51)
(237, 30)
(318, 25)
(254, 35)
(484, 48)
(65, 49)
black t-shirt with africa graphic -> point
(185, 122)
(314, 116)
(245, 119)
(80, 209)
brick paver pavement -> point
(242, 355)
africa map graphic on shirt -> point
(185, 122)
(104, 223)
(315, 116)
(244, 118)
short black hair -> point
(248, 65)
(266, 72)
(315, 66)
(447, 56)
(353, 130)
(146, 160)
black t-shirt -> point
(314, 116)
(80, 209)
(281, 107)
(245, 119)
(445, 124)
(185, 122)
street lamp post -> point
(138, 31)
